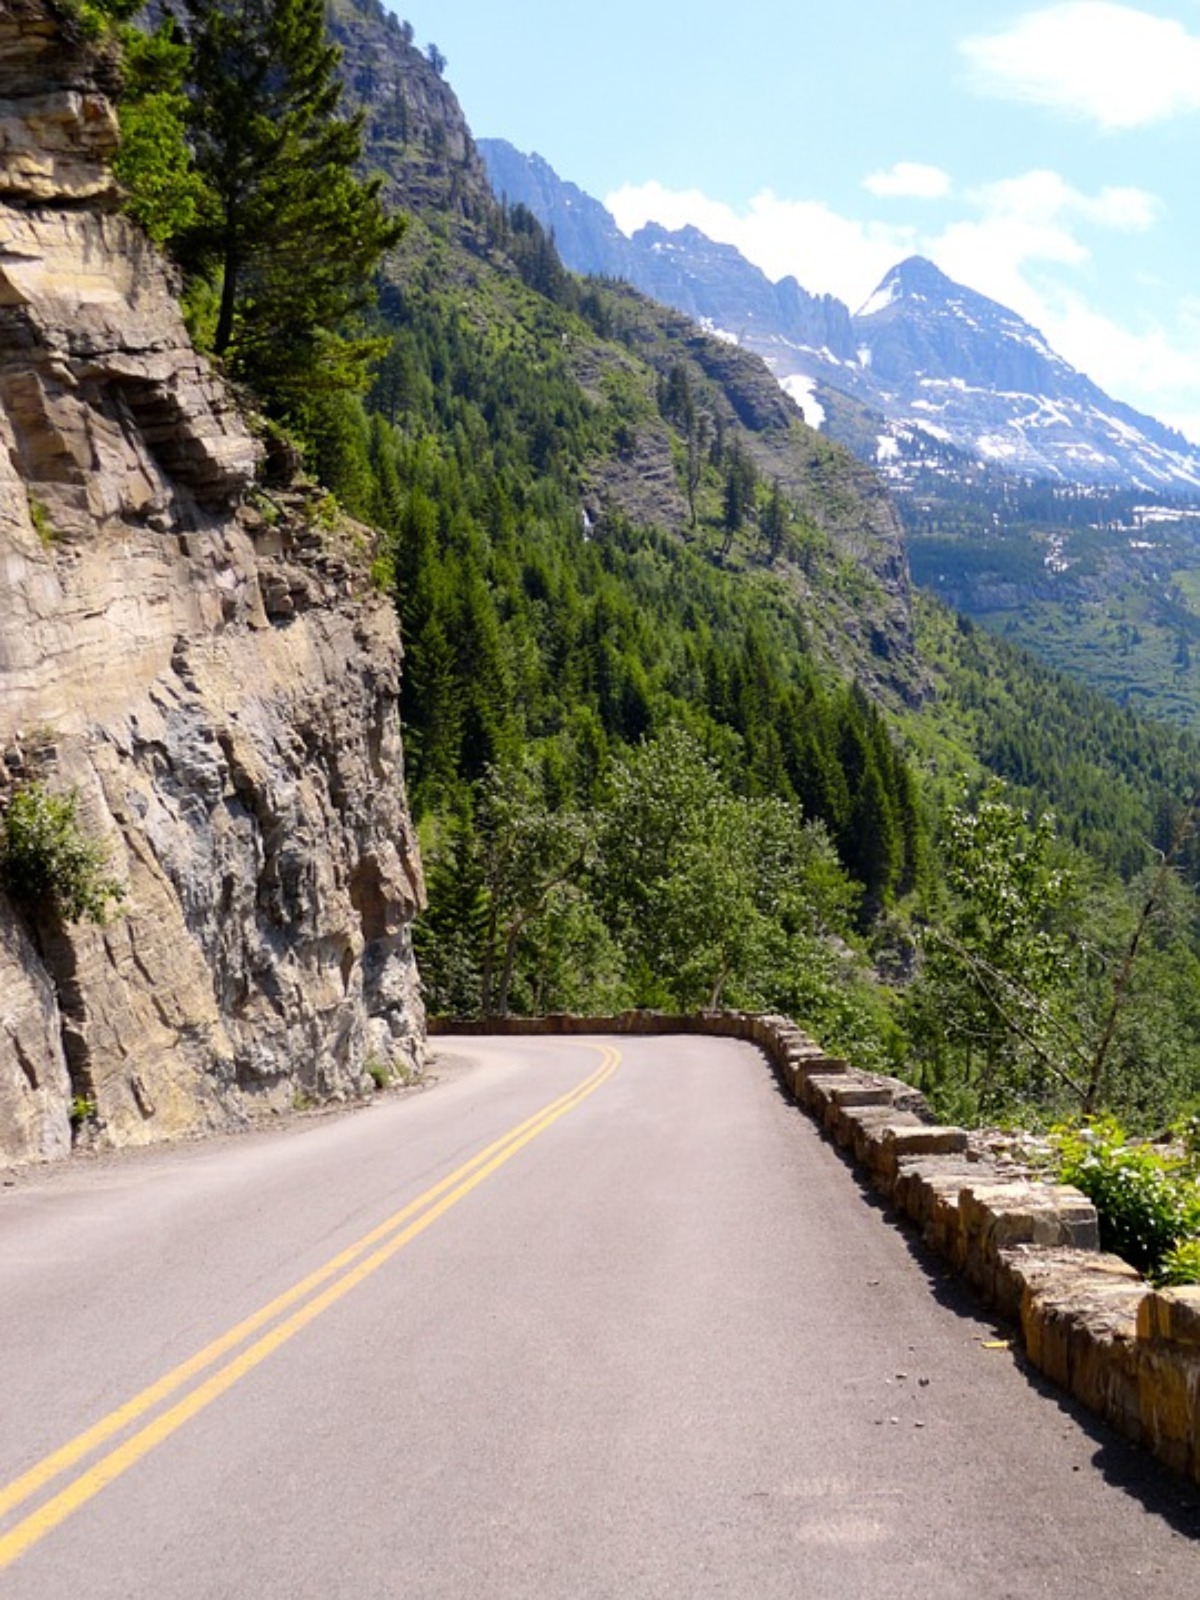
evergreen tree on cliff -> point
(291, 236)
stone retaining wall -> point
(1089, 1322)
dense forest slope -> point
(1031, 500)
(607, 526)
(197, 666)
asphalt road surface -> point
(584, 1319)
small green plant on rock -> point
(1181, 1265)
(42, 524)
(47, 864)
(379, 1072)
(83, 1111)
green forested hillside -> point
(675, 734)
(1104, 584)
(551, 637)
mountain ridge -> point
(936, 362)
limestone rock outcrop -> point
(203, 662)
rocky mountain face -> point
(710, 282)
(957, 367)
(414, 129)
(202, 662)
(926, 364)
(707, 280)
(583, 229)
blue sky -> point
(1046, 155)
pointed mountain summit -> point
(921, 324)
(928, 376)
(950, 364)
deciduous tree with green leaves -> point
(716, 898)
(992, 1011)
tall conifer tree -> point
(292, 234)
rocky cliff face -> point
(202, 662)
(414, 130)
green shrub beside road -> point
(1148, 1196)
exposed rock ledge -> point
(217, 682)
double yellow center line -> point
(310, 1297)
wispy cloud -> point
(1033, 218)
(1118, 66)
(909, 180)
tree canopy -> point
(237, 157)
(290, 233)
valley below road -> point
(584, 1318)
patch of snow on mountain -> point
(997, 448)
(1144, 515)
(887, 448)
(1122, 429)
(803, 392)
(1033, 341)
(886, 295)
(722, 334)
(960, 311)
(1045, 414)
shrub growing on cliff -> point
(163, 190)
(46, 861)
(98, 19)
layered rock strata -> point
(202, 662)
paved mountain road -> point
(588, 1319)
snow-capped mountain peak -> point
(965, 370)
(945, 375)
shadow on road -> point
(1123, 1465)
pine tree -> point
(774, 522)
(292, 235)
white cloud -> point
(1043, 197)
(1124, 360)
(1119, 66)
(1026, 220)
(909, 180)
(828, 253)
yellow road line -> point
(434, 1203)
(30, 1482)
